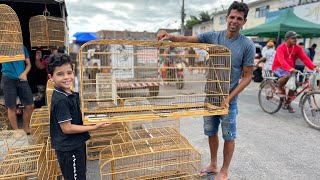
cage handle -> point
(46, 12)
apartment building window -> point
(222, 20)
(262, 11)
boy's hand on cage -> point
(101, 125)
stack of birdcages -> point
(138, 84)
(53, 168)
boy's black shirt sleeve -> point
(62, 111)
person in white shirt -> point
(268, 58)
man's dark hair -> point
(314, 45)
(57, 60)
(301, 44)
(239, 6)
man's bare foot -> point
(208, 170)
(221, 176)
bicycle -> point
(309, 102)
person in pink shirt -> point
(284, 62)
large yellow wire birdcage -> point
(39, 125)
(11, 44)
(156, 158)
(52, 162)
(27, 162)
(124, 70)
(4, 120)
(46, 32)
(101, 138)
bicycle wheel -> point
(310, 109)
(269, 101)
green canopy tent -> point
(285, 22)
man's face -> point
(235, 20)
(292, 41)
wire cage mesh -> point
(156, 158)
(39, 125)
(27, 162)
(147, 134)
(4, 120)
(46, 32)
(11, 44)
(130, 80)
(164, 122)
(101, 138)
(52, 162)
(12, 139)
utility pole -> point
(182, 18)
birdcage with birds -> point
(11, 43)
(28, 162)
(155, 158)
(46, 32)
(135, 80)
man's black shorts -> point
(16, 88)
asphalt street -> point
(278, 146)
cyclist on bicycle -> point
(284, 63)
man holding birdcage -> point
(242, 58)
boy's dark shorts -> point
(73, 163)
(16, 88)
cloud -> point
(138, 15)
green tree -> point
(193, 21)
(203, 17)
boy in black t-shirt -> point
(68, 134)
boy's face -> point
(63, 77)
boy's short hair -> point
(57, 60)
(239, 6)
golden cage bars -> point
(39, 125)
(144, 134)
(46, 32)
(115, 71)
(157, 158)
(166, 122)
(12, 139)
(101, 138)
(4, 120)
(11, 44)
(25, 162)
(52, 162)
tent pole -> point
(278, 39)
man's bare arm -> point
(245, 81)
(163, 35)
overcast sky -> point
(134, 15)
